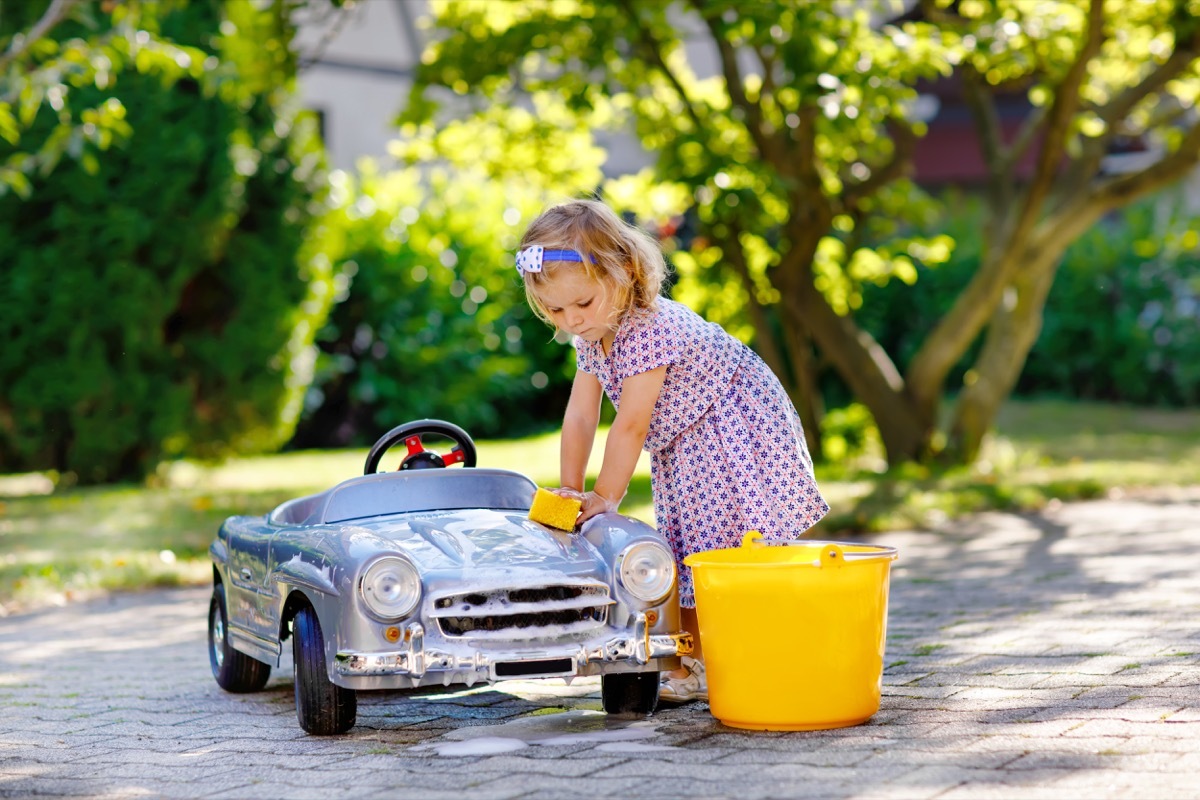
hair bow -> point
(530, 259)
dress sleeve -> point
(653, 343)
(585, 356)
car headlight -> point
(390, 588)
(647, 571)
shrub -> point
(1123, 317)
(433, 321)
(162, 302)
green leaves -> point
(42, 75)
(432, 321)
(162, 286)
(811, 93)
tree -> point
(799, 148)
(160, 295)
(53, 50)
(49, 52)
(1097, 73)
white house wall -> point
(363, 60)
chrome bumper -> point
(415, 661)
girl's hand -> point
(567, 492)
(594, 504)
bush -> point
(1123, 318)
(433, 322)
(849, 436)
(164, 304)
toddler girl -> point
(727, 451)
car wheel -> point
(629, 692)
(322, 707)
(234, 670)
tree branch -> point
(1161, 120)
(1062, 111)
(809, 220)
(904, 144)
(932, 12)
(731, 246)
(1120, 106)
(1029, 128)
(55, 13)
(768, 76)
(768, 146)
(1075, 218)
(1087, 166)
(987, 122)
(806, 149)
(998, 159)
(654, 52)
(860, 360)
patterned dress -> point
(727, 451)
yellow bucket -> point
(792, 634)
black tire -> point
(629, 692)
(234, 670)
(322, 707)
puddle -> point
(479, 746)
(568, 728)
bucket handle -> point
(831, 555)
(753, 539)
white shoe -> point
(683, 690)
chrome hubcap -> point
(218, 637)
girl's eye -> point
(585, 304)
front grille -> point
(569, 609)
(460, 626)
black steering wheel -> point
(418, 457)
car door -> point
(249, 567)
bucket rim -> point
(880, 552)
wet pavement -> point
(1042, 656)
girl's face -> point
(579, 304)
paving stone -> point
(1039, 656)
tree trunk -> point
(1013, 331)
(954, 333)
(865, 367)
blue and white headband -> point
(530, 259)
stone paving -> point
(1044, 656)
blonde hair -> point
(614, 252)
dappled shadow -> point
(1025, 652)
(1059, 636)
(919, 497)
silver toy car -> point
(432, 576)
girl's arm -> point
(639, 393)
(579, 429)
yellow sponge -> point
(554, 510)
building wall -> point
(361, 70)
(363, 60)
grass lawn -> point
(56, 546)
